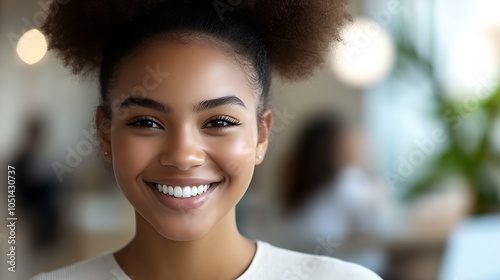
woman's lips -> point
(181, 197)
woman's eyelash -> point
(221, 122)
(145, 122)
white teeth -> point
(177, 191)
(186, 192)
(182, 192)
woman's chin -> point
(182, 230)
(182, 235)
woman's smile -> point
(183, 194)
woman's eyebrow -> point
(165, 108)
(145, 102)
(216, 102)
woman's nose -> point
(183, 150)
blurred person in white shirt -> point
(330, 198)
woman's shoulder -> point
(273, 262)
(100, 267)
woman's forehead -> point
(177, 57)
(188, 69)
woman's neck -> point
(222, 253)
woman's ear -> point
(265, 125)
(103, 126)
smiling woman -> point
(183, 122)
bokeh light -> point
(32, 46)
(366, 56)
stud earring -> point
(260, 156)
(106, 153)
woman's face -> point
(183, 121)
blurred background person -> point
(328, 197)
(38, 190)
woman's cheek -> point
(234, 155)
(131, 153)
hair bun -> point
(298, 33)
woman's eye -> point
(222, 123)
(145, 123)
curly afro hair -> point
(290, 37)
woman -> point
(183, 123)
(329, 197)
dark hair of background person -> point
(313, 163)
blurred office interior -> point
(411, 101)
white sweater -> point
(269, 262)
